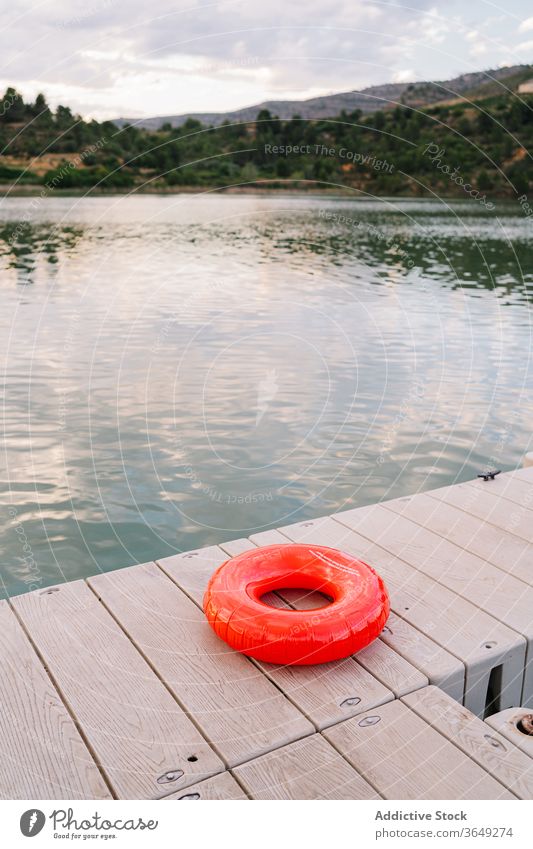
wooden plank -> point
(308, 769)
(222, 786)
(506, 598)
(524, 473)
(405, 758)
(438, 665)
(137, 732)
(506, 723)
(506, 763)
(477, 639)
(506, 551)
(42, 754)
(239, 710)
(393, 670)
(272, 537)
(510, 486)
(191, 570)
(326, 693)
(433, 662)
(489, 507)
(236, 546)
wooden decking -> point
(116, 687)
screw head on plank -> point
(369, 720)
(353, 700)
(169, 777)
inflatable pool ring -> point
(358, 611)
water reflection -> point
(24, 245)
(185, 370)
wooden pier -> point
(116, 687)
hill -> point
(457, 147)
(419, 95)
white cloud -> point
(526, 25)
(161, 58)
(479, 49)
(404, 76)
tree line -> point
(487, 142)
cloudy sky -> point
(135, 58)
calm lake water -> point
(181, 371)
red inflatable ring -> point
(355, 617)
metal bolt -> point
(369, 720)
(169, 777)
(353, 700)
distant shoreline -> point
(35, 190)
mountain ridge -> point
(386, 96)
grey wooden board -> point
(438, 665)
(505, 762)
(524, 474)
(222, 786)
(405, 758)
(329, 692)
(506, 723)
(326, 693)
(510, 486)
(192, 570)
(134, 727)
(42, 755)
(506, 598)
(506, 551)
(238, 709)
(272, 537)
(490, 507)
(308, 769)
(422, 654)
(236, 546)
(477, 639)
(391, 668)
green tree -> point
(12, 107)
(377, 120)
(483, 181)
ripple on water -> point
(188, 370)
